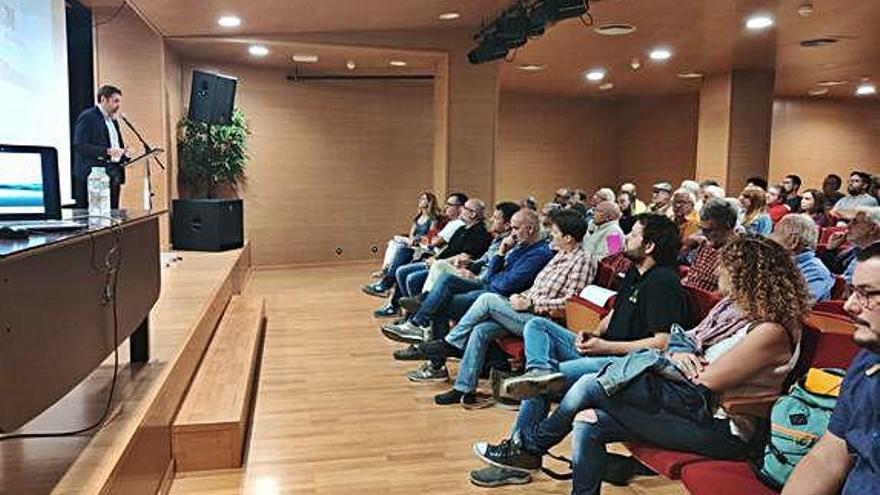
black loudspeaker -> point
(207, 224)
(211, 98)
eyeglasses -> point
(865, 298)
(453, 204)
(465, 208)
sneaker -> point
(492, 476)
(533, 383)
(428, 373)
(620, 469)
(412, 304)
(387, 311)
(439, 349)
(476, 400)
(407, 332)
(411, 353)
(508, 454)
(375, 290)
(379, 274)
(496, 378)
(449, 398)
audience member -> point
(563, 196)
(798, 234)
(859, 183)
(661, 199)
(831, 189)
(813, 204)
(717, 224)
(684, 214)
(790, 186)
(493, 316)
(544, 218)
(745, 348)
(755, 218)
(863, 230)
(578, 202)
(602, 194)
(712, 191)
(776, 206)
(627, 217)
(606, 239)
(638, 206)
(693, 187)
(846, 459)
(529, 202)
(757, 182)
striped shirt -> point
(704, 271)
(563, 277)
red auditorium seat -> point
(611, 270)
(667, 463)
(839, 292)
(700, 302)
(722, 478)
(825, 233)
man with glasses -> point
(717, 224)
(846, 459)
(863, 230)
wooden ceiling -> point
(707, 36)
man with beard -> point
(847, 458)
(858, 187)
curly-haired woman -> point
(745, 347)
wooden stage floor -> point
(334, 413)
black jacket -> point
(91, 140)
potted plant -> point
(211, 159)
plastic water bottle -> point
(99, 193)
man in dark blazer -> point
(97, 142)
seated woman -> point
(755, 220)
(426, 223)
(813, 204)
(745, 348)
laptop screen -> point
(21, 184)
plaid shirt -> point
(564, 276)
(704, 271)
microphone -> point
(147, 147)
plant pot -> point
(207, 224)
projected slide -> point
(21, 183)
(33, 79)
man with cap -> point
(661, 199)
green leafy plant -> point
(211, 155)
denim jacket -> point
(621, 372)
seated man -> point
(650, 300)
(717, 224)
(462, 263)
(798, 234)
(661, 199)
(847, 458)
(684, 214)
(472, 240)
(451, 296)
(745, 348)
(863, 230)
(493, 315)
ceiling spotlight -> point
(690, 74)
(832, 82)
(258, 50)
(805, 10)
(305, 58)
(866, 89)
(817, 91)
(595, 75)
(635, 64)
(531, 67)
(350, 65)
(449, 16)
(606, 86)
(615, 29)
(760, 21)
(660, 54)
(229, 21)
(397, 63)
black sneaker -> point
(386, 311)
(533, 383)
(508, 454)
(492, 476)
(411, 353)
(448, 398)
(439, 349)
(620, 469)
(375, 290)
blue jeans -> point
(401, 257)
(548, 344)
(409, 277)
(489, 318)
(446, 286)
(455, 309)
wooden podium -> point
(57, 309)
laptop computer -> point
(29, 195)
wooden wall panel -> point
(656, 140)
(813, 138)
(547, 142)
(129, 55)
(750, 127)
(332, 164)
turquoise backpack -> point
(797, 421)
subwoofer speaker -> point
(207, 224)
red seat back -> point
(610, 271)
(825, 233)
(700, 303)
(839, 291)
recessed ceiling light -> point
(449, 16)
(660, 54)
(606, 86)
(817, 91)
(531, 67)
(759, 21)
(690, 74)
(305, 58)
(229, 21)
(258, 50)
(615, 29)
(635, 64)
(350, 65)
(832, 82)
(397, 63)
(595, 75)
(866, 89)
(818, 42)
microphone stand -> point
(148, 185)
